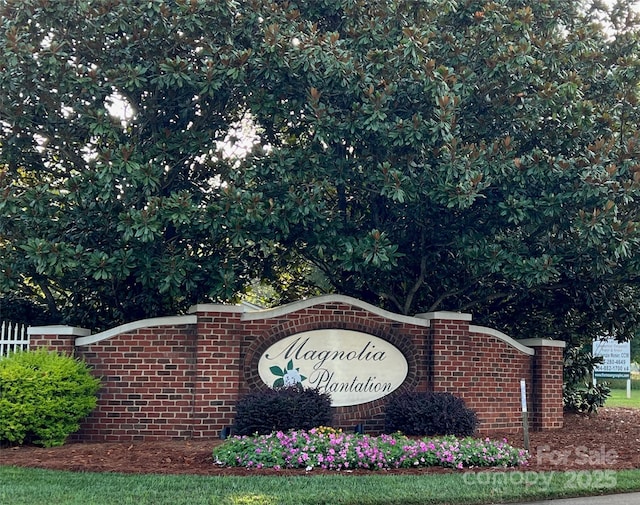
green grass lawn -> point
(619, 398)
(27, 486)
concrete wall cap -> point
(543, 342)
(136, 325)
(289, 308)
(58, 329)
(517, 344)
(449, 316)
(216, 307)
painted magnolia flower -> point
(292, 377)
(287, 376)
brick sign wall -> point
(180, 377)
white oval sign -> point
(353, 367)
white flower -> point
(292, 377)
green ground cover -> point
(26, 486)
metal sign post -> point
(525, 418)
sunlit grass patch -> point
(618, 398)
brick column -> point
(449, 342)
(218, 367)
(55, 338)
(547, 369)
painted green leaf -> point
(276, 370)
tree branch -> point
(494, 296)
(416, 286)
(51, 302)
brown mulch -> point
(608, 440)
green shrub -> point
(578, 392)
(43, 397)
(282, 409)
(586, 400)
(429, 414)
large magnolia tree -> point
(422, 155)
(113, 117)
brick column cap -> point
(58, 329)
(444, 315)
(543, 342)
(214, 307)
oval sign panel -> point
(353, 367)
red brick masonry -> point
(180, 377)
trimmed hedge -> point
(429, 414)
(282, 409)
(43, 397)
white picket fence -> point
(13, 337)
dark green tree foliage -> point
(24, 311)
(476, 156)
(423, 155)
(112, 215)
(635, 350)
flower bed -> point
(328, 450)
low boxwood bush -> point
(282, 409)
(43, 397)
(429, 414)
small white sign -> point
(523, 395)
(353, 367)
(617, 359)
